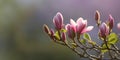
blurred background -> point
(21, 26)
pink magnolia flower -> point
(70, 31)
(58, 21)
(81, 26)
(110, 22)
(118, 26)
(104, 30)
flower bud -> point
(46, 29)
(110, 22)
(70, 31)
(103, 30)
(63, 37)
(52, 34)
(118, 26)
(97, 17)
(58, 21)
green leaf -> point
(83, 41)
(57, 37)
(86, 36)
(104, 48)
(112, 38)
(63, 30)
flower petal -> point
(89, 28)
(58, 21)
(67, 27)
(63, 36)
(60, 18)
(79, 20)
(72, 22)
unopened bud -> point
(52, 34)
(70, 31)
(58, 21)
(97, 17)
(63, 37)
(104, 30)
(46, 29)
(110, 22)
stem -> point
(65, 44)
(85, 51)
(108, 49)
(117, 50)
(74, 50)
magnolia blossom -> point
(111, 21)
(70, 31)
(79, 27)
(58, 21)
(103, 30)
(118, 26)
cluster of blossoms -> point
(74, 28)
(79, 38)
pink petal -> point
(60, 18)
(52, 32)
(72, 22)
(67, 27)
(84, 21)
(81, 24)
(63, 37)
(58, 21)
(89, 28)
(79, 20)
(80, 28)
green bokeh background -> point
(22, 36)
